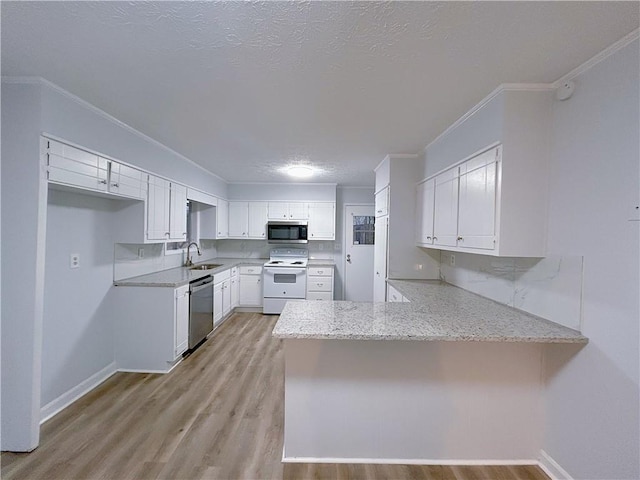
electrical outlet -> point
(74, 260)
(452, 260)
(141, 253)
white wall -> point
(70, 118)
(23, 230)
(28, 109)
(592, 399)
(590, 277)
(78, 328)
(308, 192)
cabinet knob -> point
(102, 181)
(428, 238)
(115, 185)
(460, 239)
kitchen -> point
(37, 279)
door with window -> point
(359, 237)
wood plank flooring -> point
(217, 415)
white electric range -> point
(285, 278)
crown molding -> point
(110, 118)
(610, 50)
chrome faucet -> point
(189, 263)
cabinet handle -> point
(428, 238)
(104, 182)
(379, 211)
(460, 239)
(166, 233)
(258, 280)
(115, 185)
(435, 238)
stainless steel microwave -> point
(287, 232)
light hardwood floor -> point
(219, 414)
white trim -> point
(105, 115)
(524, 87)
(552, 468)
(146, 370)
(84, 387)
(357, 186)
(610, 50)
(406, 461)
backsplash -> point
(127, 263)
(549, 287)
(261, 249)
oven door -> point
(285, 282)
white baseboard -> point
(552, 468)
(67, 398)
(408, 461)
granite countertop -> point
(437, 311)
(179, 276)
(321, 262)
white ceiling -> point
(245, 87)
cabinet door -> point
(226, 297)
(238, 219)
(181, 320)
(278, 211)
(72, 166)
(250, 290)
(382, 202)
(127, 181)
(322, 221)
(258, 219)
(222, 219)
(380, 259)
(235, 291)
(424, 212)
(218, 304)
(298, 211)
(445, 221)
(158, 209)
(178, 212)
(477, 201)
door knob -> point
(348, 257)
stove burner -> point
(274, 262)
(297, 263)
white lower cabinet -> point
(181, 338)
(319, 283)
(250, 285)
(235, 288)
(151, 327)
(221, 296)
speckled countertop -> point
(437, 312)
(321, 262)
(176, 277)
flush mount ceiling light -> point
(300, 171)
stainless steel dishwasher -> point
(200, 310)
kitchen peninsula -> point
(448, 376)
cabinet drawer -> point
(319, 296)
(317, 284)
(250, 270)
(320, 271)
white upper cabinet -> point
(258, 220)
(445, 216)
(322, 221)
(222, 219)
(288, 211)
(74, 167)
(166, 210)
(491, 198)
(424, 216)
(477, 201)
(158, 208)
(382, 202)
(238, 219)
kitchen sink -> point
(205, 266)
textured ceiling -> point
(243, 88)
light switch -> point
(74, 260)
